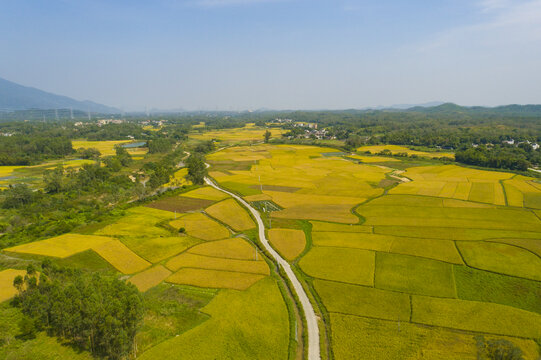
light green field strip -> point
(414, 275)
(7, 290)
(188, 260)
(327, 227)
(346, 265)
(453, 233)
(476, 316)
(501, 258)
(363, 301)
(533, 245)
(353, 240)
(380, 339)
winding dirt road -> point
(309, 313)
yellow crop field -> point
(346, 265)
(373, 159)
(454, 233)
(122, 258)
(396, 149)
(106, 148)
(7, 290)
(476, 316)
(214, 278)
(455, 182)
(235, 248)
(337, 213)
(501, 258)
(236, 135)
(139, 221)
(230, 212)
(150, 278)
(206, 193)
(522, 191)
(6, 171)
(290, 243)
(156, 249)
(201, 226)
(247, 325)
(533, 245)
(179, 178)
(353, 240)
(363, 301)
(189, 260)
(61, 246)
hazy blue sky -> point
(295, 54)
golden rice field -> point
(387, 266)
(156, 249)
(373, 159)
(206, 193)
(231, 213)
(150, 278)
(61, 246)
(179, 178)
(7, 290)
(107, 148)
(219, 279)
(396, 149)
(236, 135)
(189, 260)
(201, 226)
(235, 248)
(289, 242)
(122, 258)
(8, 170)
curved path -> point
(309, 313)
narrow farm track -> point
(309, 313)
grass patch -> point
(414, 275)
(346, 265)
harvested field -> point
(214, 278)
(231, 213)
(150, 278)
(289, 242)
(346, 265)
(201, 226)
(122, 258)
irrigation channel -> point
(309, 313)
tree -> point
(267, 136)
(197, 170)
(53, 180)
(159, 145)
(17, 196)
(88, 153)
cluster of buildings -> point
(535, 146)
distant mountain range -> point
(18, 97)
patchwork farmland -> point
(400, 260)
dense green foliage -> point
(197, 169)
(27, 150)
(506, 157)
(97, 312)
